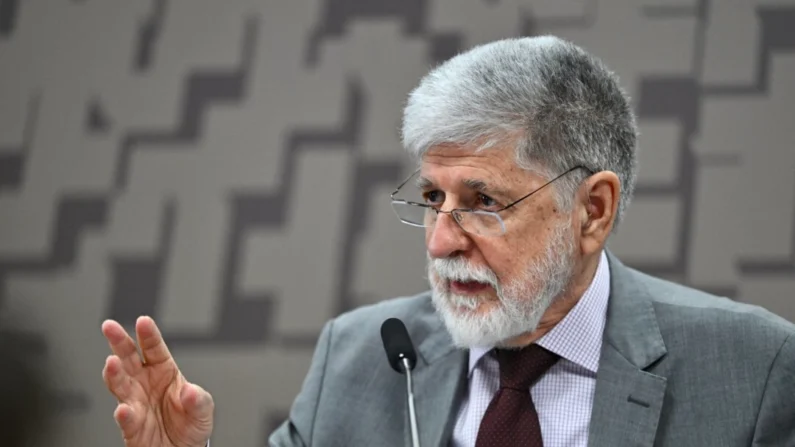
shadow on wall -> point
(25, 400)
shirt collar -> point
(578, 337)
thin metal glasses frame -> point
(454, 211)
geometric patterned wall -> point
(225, 167)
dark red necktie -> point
(511, 418)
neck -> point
(561, 306)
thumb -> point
(197, 402)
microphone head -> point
(397, 344)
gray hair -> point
(559, 105)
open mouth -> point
(468, 287)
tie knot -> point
(520, 368)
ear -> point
(598, 208)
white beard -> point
(522, 302)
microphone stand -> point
(415, 437)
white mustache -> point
(459, 269)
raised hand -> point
(157, 407)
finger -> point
(122, 345)
(117, 380)
(153, 347)
(126, 419)
(197, 402)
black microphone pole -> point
(402, 357)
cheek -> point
(503, 257)
(510, 259)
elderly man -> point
(533, 333)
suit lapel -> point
(628, 400)
(438, 392)
(439, 384)
(627, 403)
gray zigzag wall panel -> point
(225, 167)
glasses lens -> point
(481, 223)
(414, 214)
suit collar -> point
(632, 327)
(628, 399)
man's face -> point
(489, 289)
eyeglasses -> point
(478, 222)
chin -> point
(473, 324)
(476, 331)
(484, 307)
(466, 304)
(484, 321)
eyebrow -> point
(475, 184)
(423, 182)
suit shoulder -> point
(362, 325)
(355, 335)
(687, 306)
(406, 308)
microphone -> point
(402, 358)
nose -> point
(446, 238)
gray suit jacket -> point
(678, 368)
